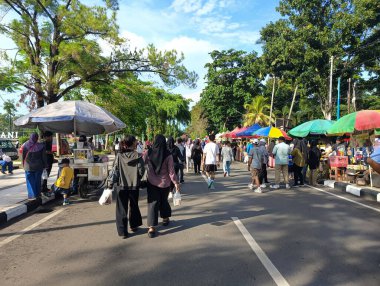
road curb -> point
(357, 191)
(23, 208)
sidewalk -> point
(365, 192)
(14, 196)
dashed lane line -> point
(29, 228)
(269, 266)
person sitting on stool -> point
(6, 161)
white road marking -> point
(273, 271)
(343, 198)
(29, 228)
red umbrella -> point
(233, 133)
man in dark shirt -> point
(48, 141)
(313, 162)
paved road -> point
(228, 236)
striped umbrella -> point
(271, 132)
(359, 121)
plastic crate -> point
(338, 161)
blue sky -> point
(195, 27)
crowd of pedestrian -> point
(290, 160)
(160, 166)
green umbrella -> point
(313, 127)
(362, 120)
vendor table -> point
(337, 173)
(338, 166)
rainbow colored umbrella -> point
(356, 121)
(271, 132)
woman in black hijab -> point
(161, 174)
(196, 155)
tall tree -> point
(299, 47)
(10, 110)
(59, 51)
(147, 110)
(232, 78)
(198, 125)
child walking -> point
(63, 183)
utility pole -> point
(354, 97)
(291, 106)
(349, 95)
(271, 103)
(338, 101)
(330, 89)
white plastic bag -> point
(106, 197)
(170, 195)
(177, 199)
(45, 175)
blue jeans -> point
(4, 166)
(227, 167)
(33, 183)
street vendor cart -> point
(90, 171)
(80, 118)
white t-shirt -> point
(211, 150)
(188, 150)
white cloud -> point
(194, 96)
(214, 25)
(189, 46)
(244, 37)
(134, 40)
(186, 6)
(207, 8)
(226, 3)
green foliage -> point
(232, 78)
(298, 47)
(59, 51)
(23, 139)
(147, 110)
(257, 112)
(199, 125)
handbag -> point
(106, 197)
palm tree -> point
(10, 110)
(257, 112)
